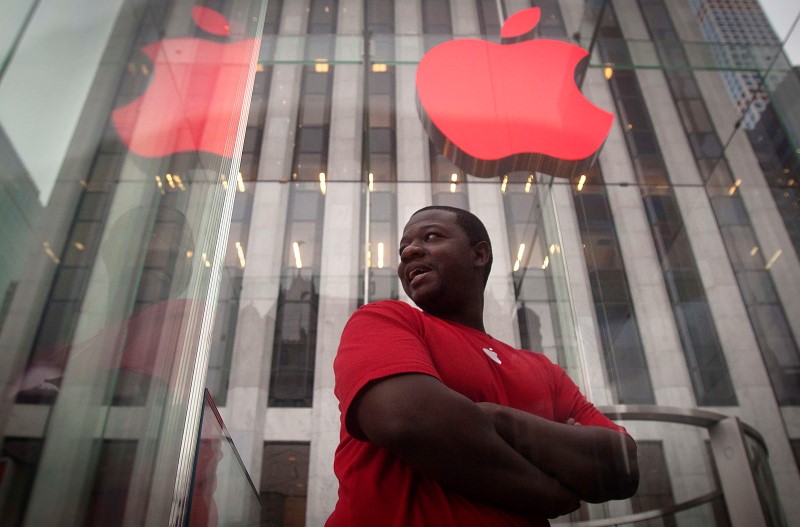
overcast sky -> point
(782, 14)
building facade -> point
(199, 194)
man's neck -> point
(472, 318)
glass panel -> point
(117, 205)
(222, 492)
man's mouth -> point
(415, 274)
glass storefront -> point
(198, 195)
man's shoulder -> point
(389, 307)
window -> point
(284, 484)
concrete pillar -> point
(340, 266)
(413, 165)
(248, 389)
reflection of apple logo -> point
(498, 108)
(194, 97)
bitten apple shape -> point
(194, 97)
(497, 108)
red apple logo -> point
(195, 94)
(498, 108)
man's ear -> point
(482, 253)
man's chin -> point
(425, 300)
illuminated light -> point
(296, 249)
(754, 250)
(452, 187)
(546, 262)
(294, 175)
(83, 183)
(323, 186)
(453, 179)
(552, 248)
(608, 71)
(170, 182)
(49, 252)
(581, 181)
(159, 184)
(791, 182)
(734, 187)
(178, 181)
(380, 255)
(205, 261)
(368, 255)
(558, 248)
(629, 126)
(520, 252)
(292, 458)
(224, 181)
(321, 67)
(240, 182)
(327, 9)
(260, 68)
(189, 253)
(503, 184)
(772, 259)
(145, 70)
(785, 170)
(240, 252)
(529, 183)
(79, 246)
(371, 182)
(379, 68)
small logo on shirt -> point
(492, 355)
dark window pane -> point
(284, 483)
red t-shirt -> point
(390, 337)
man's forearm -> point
(596, 463)
(447, 437)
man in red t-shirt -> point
(443, 425)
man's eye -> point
(430, 235)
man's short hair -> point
(473, 226)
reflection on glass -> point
(222, 492)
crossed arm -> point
(492, 453)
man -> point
(443, 425)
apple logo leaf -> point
(210, 21)
(498, 108)
(520, 26)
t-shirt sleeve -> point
(570, 402)
(379, 340)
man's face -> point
(437, 265)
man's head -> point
(473, 227)
(445, 259)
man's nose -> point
(411, 251)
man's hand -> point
(596, 463)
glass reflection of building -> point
(664, 279)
